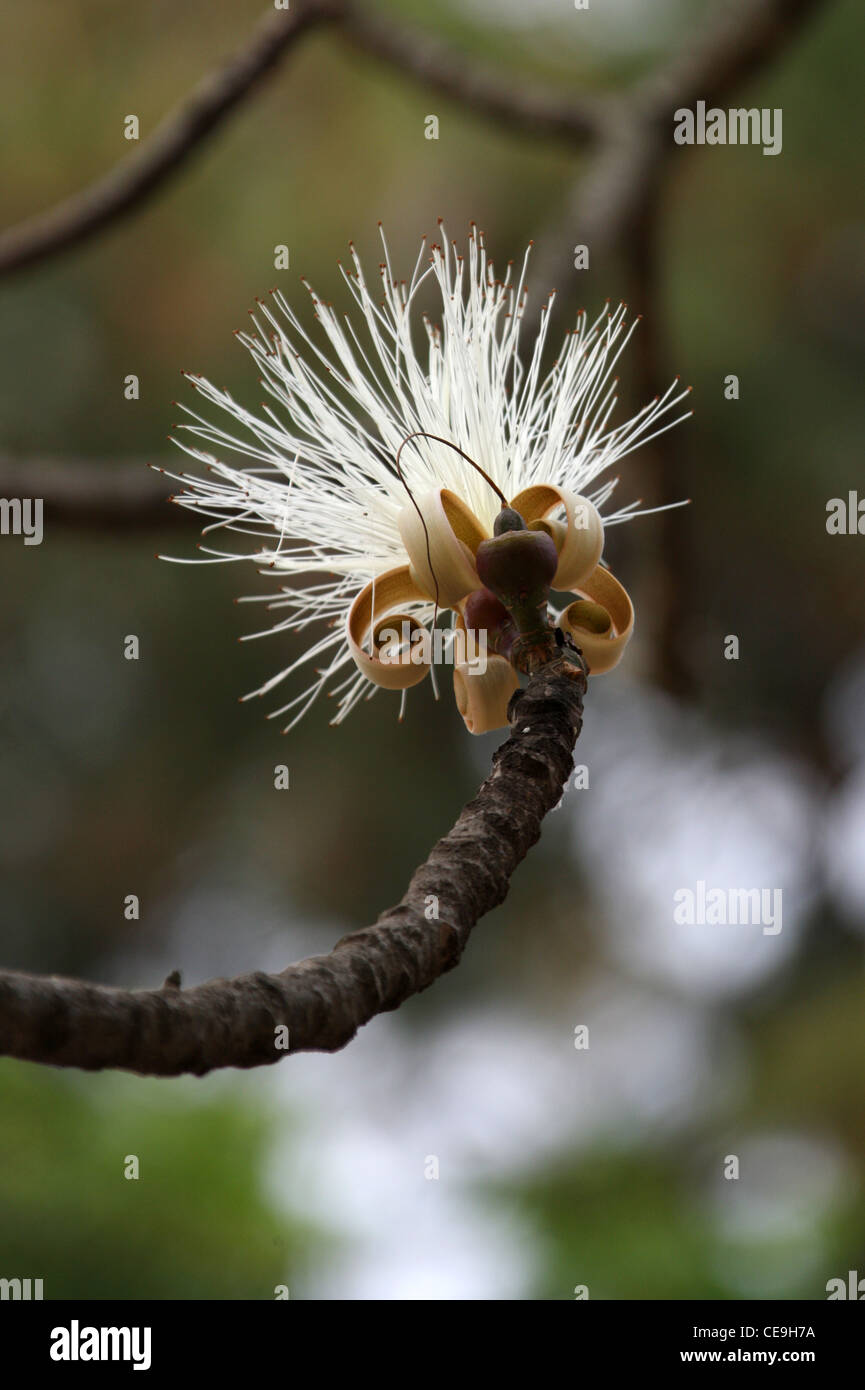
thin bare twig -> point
(159, 158)
(125, 188)
(509, 101)
(324, 1000)
(735, 42)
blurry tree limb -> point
(625, 130)
(735, 42)
(634, 143)
(324, 1000)
(125, 188)
(183, 132)
(615, 207)
(665, 467)
(127, 493)
(512, 103)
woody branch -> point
(322, 1001)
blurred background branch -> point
(627, 130)
(514, 103)
(615, 208)
(133, 182)
(127, 492)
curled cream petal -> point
(365, 627)
(453, 534)
(482, 698)
(603, 649)
(579, 542)
(589, 617)
(556, 529)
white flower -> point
(352, 533)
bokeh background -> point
(558, 1167)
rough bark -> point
(324, 1000)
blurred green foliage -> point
(193, 1224)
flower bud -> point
(518, 566)
(483, 612)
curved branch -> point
(324, 1000)
(183, 132)
(436, 65)
(608, 205)
(729, 51)
(169, 147)
(735, 42)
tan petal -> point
(365, 629)
(589, 616)
(453, 534)
(579, 542)
(601, 648)
(482, 699)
